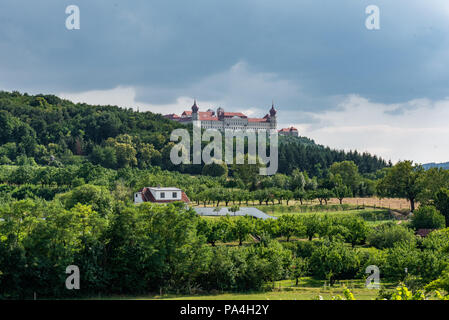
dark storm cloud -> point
(303, 54)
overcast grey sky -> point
(383, 91)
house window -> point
(162, 195)
(175, 195)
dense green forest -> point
(49, 130)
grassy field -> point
(371, 216)
(386, 203)
(307, 289)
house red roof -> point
(288, 129)
(172, 116)
(148, 197)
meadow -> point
(308, 288)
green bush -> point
(428, 217)
(387, 235)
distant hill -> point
(48, 130)
(428, 166)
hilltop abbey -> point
(224, 121)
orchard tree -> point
(323, 195)
(442, 204)
(234, 209)
(402, 181)
(358, 230)
(211, 229)
(313, 225)
(341, 191)
(300, 195)
(242, 228)
(299, 269)
(290, 226)
(288, 195)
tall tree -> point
(442, 204)
(402, 181)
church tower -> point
(273, 120)
(196, 115)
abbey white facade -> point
(224, 121)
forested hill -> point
(306, 155)
(48, 130)
(428, 166)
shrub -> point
(387, 235)
(428, 217)
(401, 260)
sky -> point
(383, 91)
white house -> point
(160, 195)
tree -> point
(300, 195)
(442, 204)
(290, 226)
(341, 191)
(145, 154)
(357, 228)
(432, 181)
(349, 173)
(297, 180)
(246, 172)
(98, 197)
(211, 229)
(442, 283)
(288, 195)
(323, 195)
(333, 260)
(299, 269)
(215, 170)
(104, 156)
(402, 181)
(402, 259)
(260, 196)
(427, 217)
(242, 227)
(234, 209)
(312, 224)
